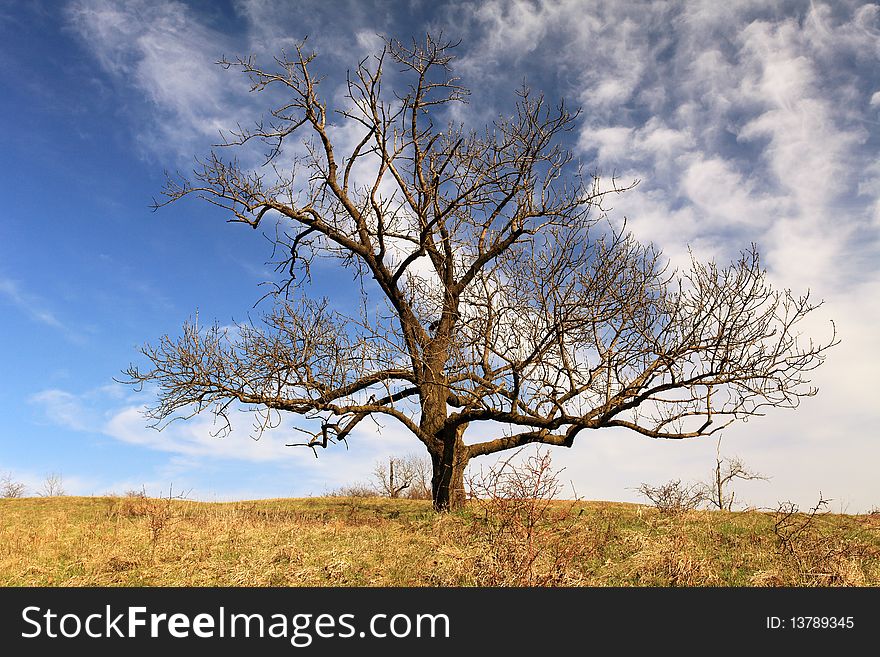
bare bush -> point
(528, 540)
(816, 552)
(160, 512)
(673, 496)
(789, 525)
(9, 487)
(353, 490)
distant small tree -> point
(53, 486)
(495, 292)
(9, 487)
(406, 476)
(420, 489)
(718, 492)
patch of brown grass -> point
(671, 559)
(73, 541)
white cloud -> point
(806, 150)
(613, 143)
(64, 409)
(721, 195)
(193, 438)
(661, 142)
(163, 51)
(341, 24)
(516, 27)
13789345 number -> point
(821, 622)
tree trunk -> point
(447, 482)
(449, 454)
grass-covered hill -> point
(124, 541)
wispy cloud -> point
(116, 412)
(64, 409)
(36, 308)
(194, 438)
(29, 303)
(164, 52)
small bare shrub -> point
(816, 554)
(526, 538)
(9, 487)
(353, 490)
(674, 496)
(789, 525)
(133, 504)
(160, 512)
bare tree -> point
(9, 487)
(494, 289)
(422, 472)
(727, 470)
(53, 486)
(391, 483)
(404, 476)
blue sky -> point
(744, 121)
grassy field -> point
(125, 541)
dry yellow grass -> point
(130, 541)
